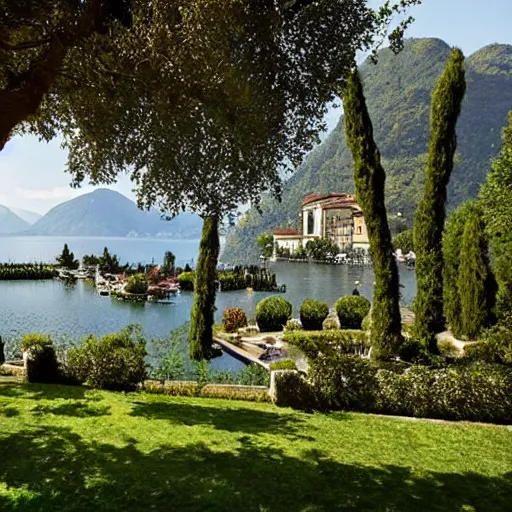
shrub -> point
(496, 346)
(114, 362)
(32, 340)
(366, 324)
(413, 351)
(312, 343)
(291, 389)
(233, 319)
(344, 382)
(284, 364)
(137, 284)
(272, 314)
(186, 281)
(293, 325)
(351, 311)
(312, 314)
(331, 323)
(42, 364)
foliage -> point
(67, 259)
(321, 249)
(312, 344)
(475, 281)
(42, 364)
(273, 313)
(186, 281)
(29, 341)
(107, 262)
(233, 319)
(351, 311)
(496, 198)
(168, 267)
(283, 364)
(404, 241)
(201, 317)
(331, 323)
(414, 351)
(28, 271)
(137, 284)
(293, 325)
(266, 244)
(114, 362)
(312, 314)
(292, 390)
(366, 324)
(172, 364)
(369, 181)
(429, 220)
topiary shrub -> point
(35, 339)
(366, 324)
(331, 323)
(272, 314)
(312, 314)
(291, 389)
(137, 284)
(114, 362)
(233, 319)
(186, 281)
(284, 364)
(293, 325)
(42, 364)
(351, 311)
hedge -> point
(273, 313)
(312, 314)
(351, 311)
(312, 343)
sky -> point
(32, 173)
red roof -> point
(340, 199)
(287, 232)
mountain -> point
(108, 213)
(398, 91)
(10, 222)
(27, 216)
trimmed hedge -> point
(473, 392)
(284, 364)
(35, 339)
(293, 325)
(291, 389)
(351, 311)
(312, 314)
(233, 319)
(43, 366)
(313, 343)
(186, 281)
(273, 313)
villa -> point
(334, 216)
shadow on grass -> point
(74, 409)
(42, 391)
(57, 471)
(249, 421)
(8, 412)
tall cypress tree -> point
(429, 220)
(369, 178)
(475, 280)
(201, 318)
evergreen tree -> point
(474, 279)
(369, 178)
(203, 308)
(430, 216)
(67, 259)
(169, 262)
(452, 240)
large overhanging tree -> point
(205, 102)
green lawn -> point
(73, 449)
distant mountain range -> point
(398, 92)
(30, 217)
(101, 213)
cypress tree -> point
(474, 279)
(429, 220)
(369, 178)
(205, 290)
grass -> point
(74, 449)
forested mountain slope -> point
(398, 92)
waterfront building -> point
(337, 217)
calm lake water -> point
(77, 310)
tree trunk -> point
(430, 216)
(369, 178)
(205, 290)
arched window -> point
(311, 222)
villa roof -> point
(333, 200)
(287, 232)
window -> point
(359, 230)
(311, 222)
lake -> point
(57, 308)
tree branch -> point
(27, 45)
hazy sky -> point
(32, 174)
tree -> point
(36, 39)
(430, 216)
(496, 199)
(169, 262)
(404, 241)
(474, 281)
(321, 249)
(67, 259)
(452, 240)
(266, 244)
(369, 179)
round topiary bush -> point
(233, 319)
(272, 314)
(351, 311)
(312, 314)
